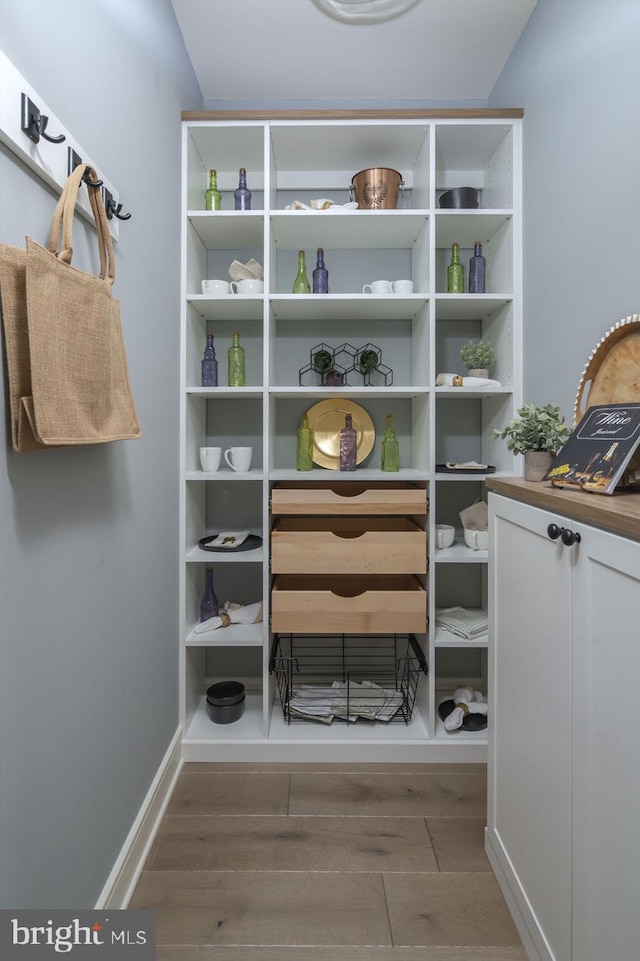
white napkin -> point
(231, 614)
(228, 539)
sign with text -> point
(34, 935)
(595, 456)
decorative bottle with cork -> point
(212, 196)
(348, 445)
(477, 271)
(209, 365)
(301, 283)
(242, 195)
(455, 272)
(304, 445)
(390, 452)
(209, 602)
(236, 363)
(320, 274)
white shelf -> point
(361, 229)
(459, 553)
(356, 306)
(228, 307)
(246, 728)
(234, 635)
(228, 229)
(225, 474)
(444, 638)
(419, 335)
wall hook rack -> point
(112, 208)
(34, 123)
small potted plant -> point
(478, 356)
(538, 433)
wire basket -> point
(365, 678)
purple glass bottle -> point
(241, 195)
(477, 271)
(209, 602)
(209, 365)
(348, 444)
(320, 274)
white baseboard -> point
(124, 875)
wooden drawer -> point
(361, 605)
(348, 498)
(348, 545)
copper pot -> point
(376, 188)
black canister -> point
(225, 701)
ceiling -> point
(289, 50)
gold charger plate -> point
(326, 420)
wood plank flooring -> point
(326, 862)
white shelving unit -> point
(420, 335)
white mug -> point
(247, 286)
(215, 287)
(476, 540)
(210, 458)
(445, 535)
(239, 458)
(377, 287)
(402, 286)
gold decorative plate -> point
(326, 420)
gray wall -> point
(574, 72)
(89, 548)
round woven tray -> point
(612, 373)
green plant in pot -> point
(478, 356)
(538, 433)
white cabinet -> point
(418, 335)
(563, 779)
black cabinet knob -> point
(553, 531)
(569, 537)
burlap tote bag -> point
(68, 375)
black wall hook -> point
(34, 123)
(74, 161)
(112, 208)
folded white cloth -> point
(464, 622)
(229, 539)
(231, 614)
(346, 699)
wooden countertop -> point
(619, 512)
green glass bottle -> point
(390, 452)
(301, 284)
(304, 445)
(236, 363)
(212, 196)
(455, 272)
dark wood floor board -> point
(230, 792)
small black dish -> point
(252, 543)
(460, 198)
(225, 702)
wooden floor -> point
(333, 862)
